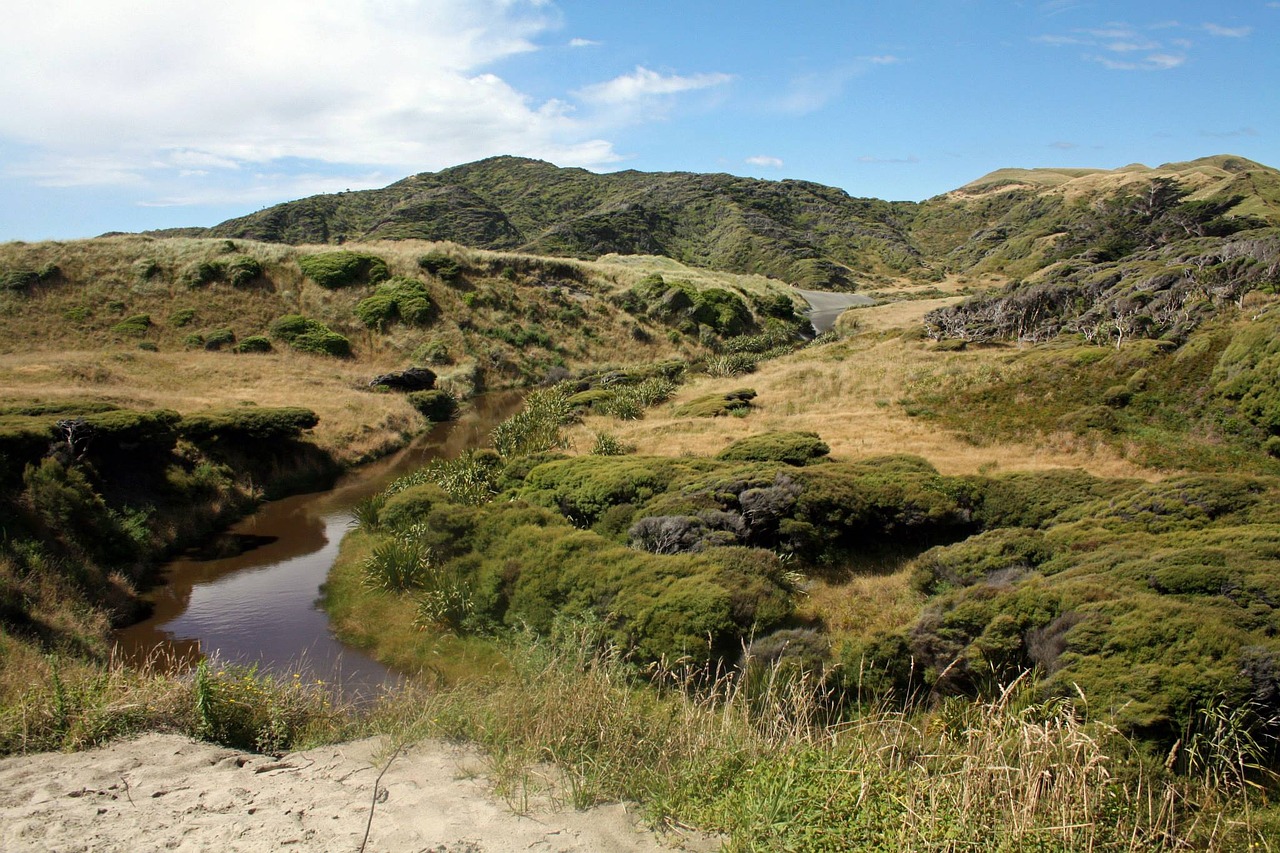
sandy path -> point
(165, 792)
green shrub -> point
(306, 335)
(247, 422)
(149, 346)
(195, 340)
(436, 406)
(332, 270)
(716, 405)
(470, 479)
(138, 324)
(182, 317)
(290, 326)
(18, 280)
(219, 338)
(793, 448)
(441, 265)
(433, 353)
(732, 364)
(404, 299)
(243, 270)
(537, 427)
(204, 272)
(254, 344)
(608, 444)
(324, 342)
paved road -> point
(825, 307)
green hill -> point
(804, 233)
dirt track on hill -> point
(166, 792)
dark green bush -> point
(403, 299)
(138, 324)
(204, 272)
(18, 280)
(306, 335)
(254, 343)
(247, 422)
(332, 270)
(243, 271)
(793, 448)
(182, 317)
(216, 339)
(441, 265)
(436, 406)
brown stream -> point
(257, 601)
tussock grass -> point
(759, 761)
(61, 702)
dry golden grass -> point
(355, 423)
(871, 599)
(848, 393)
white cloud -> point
(583, 43)
(644, 83)
(765, 161)
(1227, 32)
(134, 91)
(883, 59)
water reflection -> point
(249, 594)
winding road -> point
(825, 307)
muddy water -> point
(250, 595)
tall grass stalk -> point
(762, 761)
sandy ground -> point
(165, 792)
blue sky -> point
(131, 114)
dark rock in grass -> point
(409, 379)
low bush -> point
(18, 280)
(182, 317)
(441, 265)
(243, 270)
(307, 335)
(138, 324)
(332, 270)
(403, 299)
(247, 422)
(716, 405)
(792, 448)
(436, 406)
(254, 344)
(216, 339)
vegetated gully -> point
(250, 596)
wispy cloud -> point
(1227, 32)
(811, 91)
(644, 83)
(1121, 46)
(583, 43)
(765, 162)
